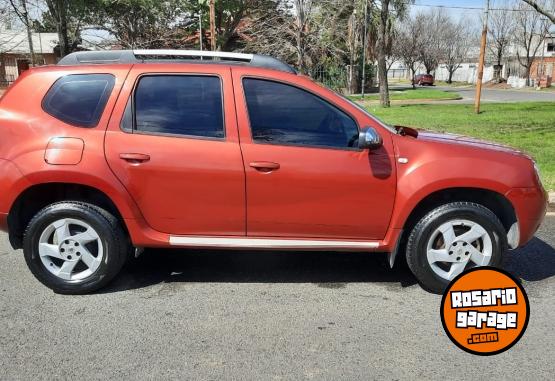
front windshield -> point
(375, 118)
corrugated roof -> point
(16, 42)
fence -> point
(336, 78)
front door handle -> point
(134, 158)
(264, 166)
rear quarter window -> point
(79, 99)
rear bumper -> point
(530, 206)
(12, 183)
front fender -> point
(429, 167)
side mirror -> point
(369, 138)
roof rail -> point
(141, 56)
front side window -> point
(287, 115)
(179, 105)
(79, 99)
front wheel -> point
(451, 239)
(74, 248)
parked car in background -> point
(423, 79)
(111, 152)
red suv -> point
(423, 79)
(108, 153)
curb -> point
(552, 199)
(374, 102)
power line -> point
(471, 8)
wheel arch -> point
(493, 200)
(38, 196)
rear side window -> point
(179, 105)
(79, 99)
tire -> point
(428, 246)
(74, 247)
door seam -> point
(240, 150)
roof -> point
(173, 56)
(17, 43)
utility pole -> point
(200, 23)
(213, 24)
(364, 46)
(482, 59)
(541, 71)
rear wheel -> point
(74, 248)
(451, 239)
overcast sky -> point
(423, 5)
(470, 10)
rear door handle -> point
(264, 166)
(134, 158)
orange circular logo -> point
(485, 311)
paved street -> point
(502, 96)
(236, 315)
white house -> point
(513, 71)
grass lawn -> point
(411, 94)
(529, 127)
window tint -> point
(126, 123)
(284, 114)
(79, 99)
(180, 104)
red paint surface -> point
(208, 187)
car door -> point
(173, 143)
(306, 177)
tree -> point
(59, 12)
(388, 9)
(20, 9)
(145, 24)
(355, 33)
(541, 8)
(500, 32)
(410, 41)
(530, 31)
(292, 31)
(6, 14)
(458, 38)
(229, 15)
(302, 31)
(67, 18)
(392, 53)
(434, 39)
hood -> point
(457, 139)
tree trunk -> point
(62, 29)
(29, 33)
(528, 71)
(413, 75)
(382, 64)
(300, 52)
(450, 79)
(58, 9)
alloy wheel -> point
(457, 245)
(70, 249)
